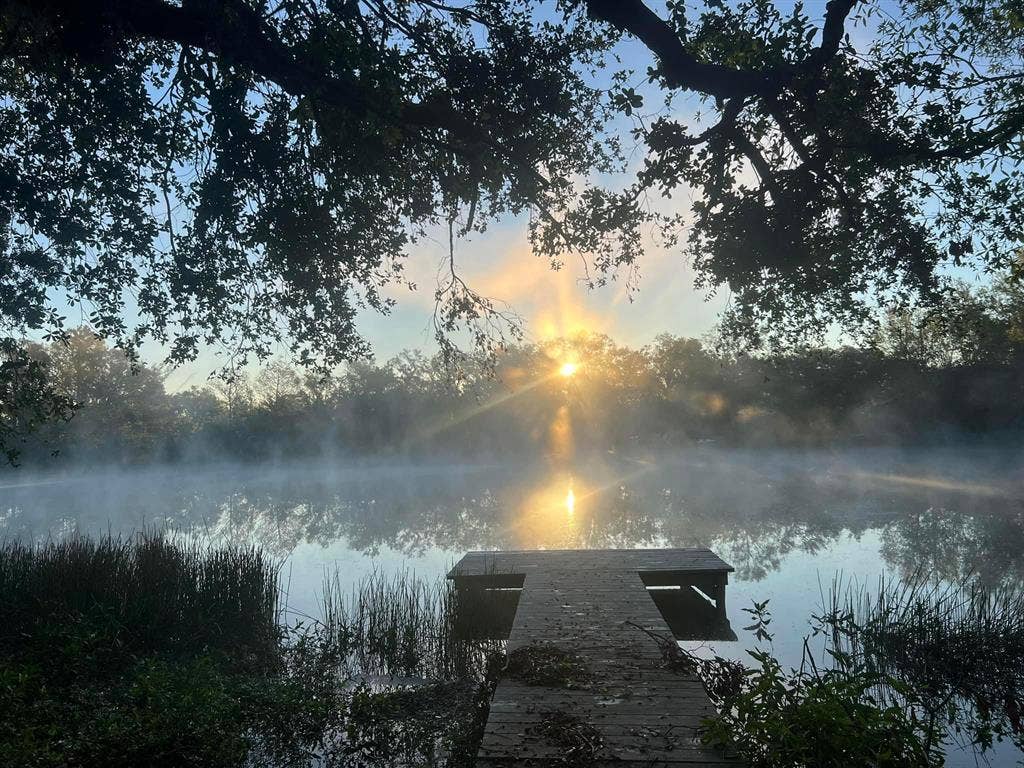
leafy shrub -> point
(827, 717)
(822, 716)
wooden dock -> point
(591, 603)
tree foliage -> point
(839, 161)
(958, 371)
(250, 173)
(119, 406)
(28, 398)
(247, 172)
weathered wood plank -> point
(593, 604)
(576, 560)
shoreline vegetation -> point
(148, 650)
(916, 380)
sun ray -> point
(442, 425)
(931, 483)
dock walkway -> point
(590, 603)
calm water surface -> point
(789, 522)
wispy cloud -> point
(500, 264)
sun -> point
(568, 369)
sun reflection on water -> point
(551, 515)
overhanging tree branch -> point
(233, 32)
(680, 68)
(832, 33)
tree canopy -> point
(920, 379)
(244, 173)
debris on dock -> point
(587, 685)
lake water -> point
(789, 522)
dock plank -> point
(588, 602)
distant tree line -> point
(915, 378)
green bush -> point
(820, 717)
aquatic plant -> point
(959, 647)
(421, 669)
(137, 595)
(400, 626)
(150, 651)
(147, 650)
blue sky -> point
(500, 265)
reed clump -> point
(420, 666)
(136, 596)
(959, 646)
(964, 634)
(399, 626)
(150, 651)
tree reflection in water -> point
(780, 519)
(753, 510)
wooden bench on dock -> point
(596, 606)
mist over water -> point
(789, 521)
(951, 513)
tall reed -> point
(140, 594)
(966, 634)
(403, 626)
(958, 647)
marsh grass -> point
(402, 627)
(419, 668)
(136, 596)
(152, 651)
(959, 647)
